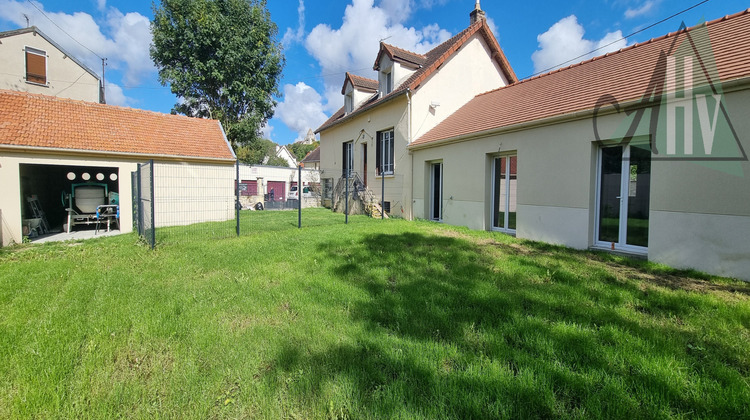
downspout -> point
(408, 141)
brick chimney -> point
(477, 14)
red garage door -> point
(276, 190)
(249, 188)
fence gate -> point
(143, 203)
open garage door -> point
(64, 198)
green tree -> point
(221, 59)
(300, 150)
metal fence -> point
(143, 186)
(212, 201)
(173, 201)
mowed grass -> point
(374, 319)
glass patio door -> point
(436, 188)
(623, 201)
(504, 182)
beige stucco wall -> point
(389, 115)
(469, 72)
(187, 193)
(65, 78)
(699, 215)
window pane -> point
(512, 181)
(639, 190)
(609, 201)
(498, 206)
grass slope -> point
(374, 319)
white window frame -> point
(349, 102)
(387, 166)
(41, 53)
(622, 244)
(506, 204)
(349, 157)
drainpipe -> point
(408, 141)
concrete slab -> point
(75, 235)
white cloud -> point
(101, 5)
(292, 36)
(131, 34)
(126, 46)
(266, 131)
(564, 41)
(639, 11)
(302, 109)
(352, 47)
(115, 96)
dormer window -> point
(36, 66)
(388, 82)
(349, 102)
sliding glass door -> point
(623, 197)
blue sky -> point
(324, 39)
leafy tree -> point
(300, 150)
(221, 59)
(260, 151)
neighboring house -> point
(312, 160)
(48, 144)
(526, 159)
(284, 153)
(260, 183)
(33, 62)
(368, 137)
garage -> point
(65, 198)
(66, 167)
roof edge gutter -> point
(98, 153)
(726, 87)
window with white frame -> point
(36, 66)
(384, 153)
(349, 102)
(386, 81)
(348, 159)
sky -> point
(322, 40)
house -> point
(640, 151)
(33, 62)
(284, 153)
(366, 140)
(312, 160)
(49, 146)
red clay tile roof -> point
(625, 74)
(359, 83)
(313, 156)
(411, 59)
(433, 60)
(29, 120)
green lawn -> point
(374, 319)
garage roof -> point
(30, 121)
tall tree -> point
(222, 60)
